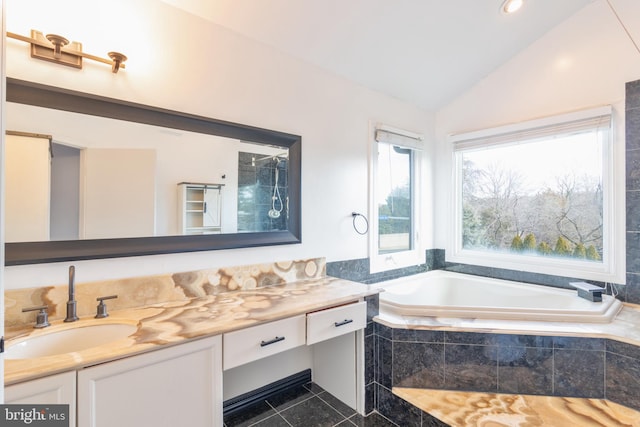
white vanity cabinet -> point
(177, 386)
(54, 389)
(334, 352)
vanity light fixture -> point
(511, 6)
(55, 48)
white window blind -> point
(547, 128)
(398, 137)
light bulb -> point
(510, 6)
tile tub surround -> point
(186, 319)
(358, 269)
(147, 290)
(517, 361)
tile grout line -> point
(272, 416)
(340, 413)
(391, 420)
(276, 414)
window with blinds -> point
(395, 187)
(536, 195)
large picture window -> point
(537, 196)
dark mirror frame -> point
(36, 94)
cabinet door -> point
(200, 208)
(54, 389)
(211, 214)
(177, 386)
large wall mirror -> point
(92, 177)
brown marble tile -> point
(473, 409)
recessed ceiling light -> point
(510, 6)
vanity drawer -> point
(325, 324)
(260, 341)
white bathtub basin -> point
(448, 294)
(67, 340)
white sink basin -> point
(68, 340)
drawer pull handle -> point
(344, 322)
(273, 341)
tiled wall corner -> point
(631, 292)
(357, 270)
(435, 259)
(398, 410)
(369, 357)
(388, 404)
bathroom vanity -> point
(185, 380)
(187, 357)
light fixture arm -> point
(58, 49)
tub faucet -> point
(71, 304)
(588, 291)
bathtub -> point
(448, 294)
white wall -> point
(130, 190)
(583, 62)
(27, 178)
(180, 62)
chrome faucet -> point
(71, 304)
(588, 291)
(42, 319)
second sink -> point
(67, 340)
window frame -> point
(415, 256)
(611, 269)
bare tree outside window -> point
(542, 197)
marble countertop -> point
(175, 322)
(471, 409)
(625, 327)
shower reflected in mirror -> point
(262, 192)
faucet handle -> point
(102, 307)
(42, 318)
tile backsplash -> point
(146, 290)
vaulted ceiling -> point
(426, 52)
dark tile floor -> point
(304, 406)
